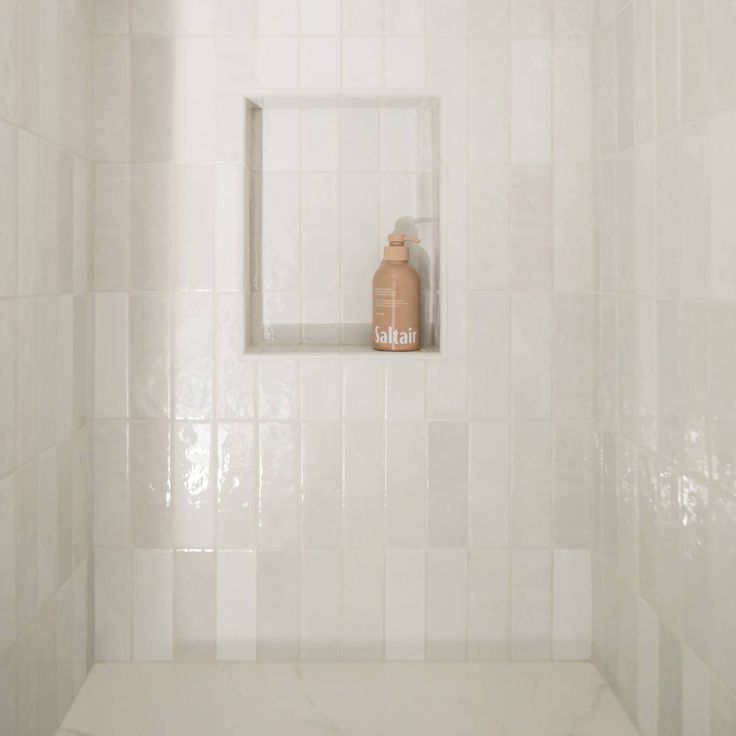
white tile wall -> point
(666, 137)
(46, 344)
(337, 507)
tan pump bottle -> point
(396, 292)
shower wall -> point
(665, 583)
(344, 507)
(46, 182)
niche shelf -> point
(328, 178)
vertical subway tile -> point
(320, 607)
(405, 392)
(405, 63)
(235, 388)
(112, 226)
(111, 355)
(278, 605)
(64, 650)
(152, 231)
(236, 604)
(113, 604)
(194, 227)
(644, 90)
(670, 683)
(530, 604)
(573, 102)
(405, 18)
(625, 77)
(723, 600)
(26, 542)
(406, 484)
(531, 100)
(647, 707)
(667, 65)
(8, 368)
(446, 17)
(8, 209)
(48, 528)
(151, 17)
(573, 17)
(320, 17)
(693, 60)
(405, 604)
(722, 709)
(278, 62)
(721, 56)
(573, 228)
(531, 494)
(575, 479)
(489, 255)
(363, 604)
(153, 97)
(574, 356)
(531, 17)
(362, 17)
(151, 502)
(112, 506)
(8, 624)
(722, 217)
(448, 484)
(531, 228)
(531, 345)
(571, 604)
(488, 604)
(447, 588)
(363, 479)
(489, 485)
(237, 485)
(153, 604)
(112, 98)
(112, 16)
(279, 18)
(192, 356)
(194, 17)
(193, 486)
(695, 695)
(278, 390)
(193, 117)
(149, 355)
(279, 485)
(7, 690)
(488, 348)
(448, 68)
(488, 18)
(194, 604)
(694, 205)
(362, 62)
(321, 492)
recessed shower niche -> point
(329, 177)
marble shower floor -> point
(346, 699)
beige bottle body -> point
(396, 297)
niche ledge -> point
(328, 178)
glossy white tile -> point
(236, 604)
(153, 602)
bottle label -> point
(392, 336)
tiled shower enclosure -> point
(201, 460)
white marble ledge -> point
(346, 699)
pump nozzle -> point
(397, 249)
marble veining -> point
(346, 699)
